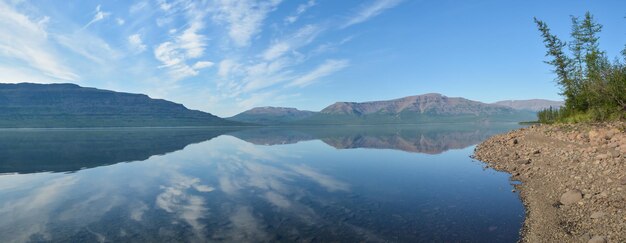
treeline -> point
(594, 87)
(550, 115)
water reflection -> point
(64, 150)
(425, 138)
(228, 189)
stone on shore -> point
(597, 215)
(571, 196)
(597, 239)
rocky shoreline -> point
(573, 179)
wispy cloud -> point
(169, 55)
(299, 11)
(273, 66)
(175, 54)
(164, 5)
(26, 40)
(89, 46)
(302, 37)
(243, 17)
(226, 67)
(331, 46)
(176, 199)
(256, 80)
(136, 43)
(370, 10)
(243, 52)
(327, 68)
(203, 64)
(255, 99)
(191, 41)
(137, 7)
(100, 15)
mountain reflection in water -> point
(424, 138)
(199, 185)
(66, 150)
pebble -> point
(597, 239)
(597, 215)
(571, 196)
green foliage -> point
(594, 87)
(550, 115)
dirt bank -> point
(573, 179)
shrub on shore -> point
(594, 87)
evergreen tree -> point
(592, 85)
(560, 61)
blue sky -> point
(226, 56)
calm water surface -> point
(349, 184)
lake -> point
(282, 184)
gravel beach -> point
(573, 179)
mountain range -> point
(271, 115)
(412, 109)
(69, 105)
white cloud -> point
(330, 46)
(192, 42)
(266, 74)
(89, 46)
(331, 184)
(299, 11)
(137, 212)
(164, 5)
(203, 64)
(120, 21)
(172, 59)
(226, 66)
(162, 21)
(302, 37)
(176, 199)
(25, 41)
(369, 11)
(175, 54)
(137, 7)
(255, 99)
(100, 15)
(276, 50)
(327, 68)
(136, 43)
(246, 227)
(35, 206)
(251, 81)
(243, 17)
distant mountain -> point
(416, 109)
(530, 105)
(271, 115)
(69, 105)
